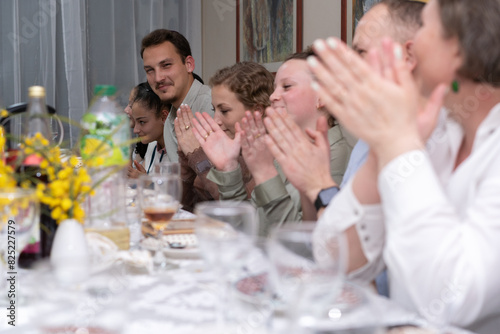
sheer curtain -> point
(69, 46)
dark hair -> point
(148, 98)
(160, 36)
(303, 55)
(474, 24)
(407, 16)
(251, 83)
(141, 149)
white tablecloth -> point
(182, 300)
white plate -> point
(191, 251)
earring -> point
(455, 86)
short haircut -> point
(148, 98)
(474, 24)
(161, 36)
(406, 16)
(252, 83)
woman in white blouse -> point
(426, 204)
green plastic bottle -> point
(107, 132)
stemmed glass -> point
(310, 270)
(19, 216)
(225, 231)
(159, 196)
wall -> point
(321, 19)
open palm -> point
(221, 150)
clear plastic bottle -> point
(107, 130)
(107, 144)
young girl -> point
(148, 114)
(243, 87)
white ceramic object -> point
(70, 255)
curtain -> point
(69, 46)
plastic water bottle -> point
(106, 145)
(107, 130)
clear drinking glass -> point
(133, 211)
(167, 168)
(225, 232)
(19, 216)
(310, 270)
(159, 197)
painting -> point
(268, 31)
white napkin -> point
(104, 252)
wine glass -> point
(19, 216)
(225, 231)
(159, 197)
(310, 270)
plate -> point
(190, 251)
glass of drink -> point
(310, 269)
(225, 231)
(159, 199)
(167, 168)
(19, 217)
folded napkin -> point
(104, 253)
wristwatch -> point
(325, 196)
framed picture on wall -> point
(267, 31)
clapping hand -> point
(257, 156)
(222, 151)
(303, 157)
(185, 137)
(377, 101)
(134, 173)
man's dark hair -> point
(160, 36)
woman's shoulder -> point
(338, 135)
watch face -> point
(326, 195)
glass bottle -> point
(37, 121)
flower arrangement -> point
(67, 179)
(68, 183)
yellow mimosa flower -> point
(66, 204)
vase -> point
(69, 256)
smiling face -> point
(228, 109)
(438, 58)
(169, 77)
(147, 126)
(293, 92)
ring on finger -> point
(206, 136)
(187, 127)
(257, 136)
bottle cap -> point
(36, 91)
(104, 90)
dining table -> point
(124, 293)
